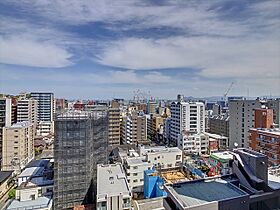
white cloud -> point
(20, 51)
(216, 57)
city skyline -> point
(105, 49)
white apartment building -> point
(45, 128)
(113, 192)
(27, 110)
(18, 146)
(242, 117)
(135, 163)
(134, 168)
(193, 143)
(162, 157)
(186, 116)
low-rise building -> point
(193, 143)
(134, 168)
(223, 141)
(214, 194)
(162, 157)
(112, 188)
(35, 187)
(223, 162)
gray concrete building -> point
(242, 115)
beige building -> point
(114, 128)
(18, 146)
(134, 128)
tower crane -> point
(227, 91)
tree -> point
(12, 193)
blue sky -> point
(102, 49)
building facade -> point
(27, 110)
(186, 116)
(193, 143)
(242, 117)
(114, 128)
(80, 144)
(113, 191)
(18, 146)
(7, 118)
(45, 106)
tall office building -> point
(18, 146)
(80, 144)
(45, 106)
(27, 110)
(186, 116)
(8, 116)
(242, 117)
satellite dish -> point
(235, 144)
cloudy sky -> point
(108, 48)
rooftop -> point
(39, 203)
(32, 171)
(4, 175)
(160, 149)
(20, 124)
(136, 160)
(111, 181)
(267, 131)
(222, 155)
(274, 182)
(199, 192)
(215, 136)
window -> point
(135, 167)
(135, 180)
(178, 157)
(134, 174)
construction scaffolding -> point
(80, 144)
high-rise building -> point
(80, 144)
(8, 116)
(114, 127)
(18, 146)
(186, 116)
(152, 107)
(27, 110)
(242, 116)
(134, 129)
(45, 106)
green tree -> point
(12, 193)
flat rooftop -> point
(161, 149)
(222, 155)
(111, 181)
(136, 160)
(196, 193)
(39, 203)
(32, 171)
(174, 176)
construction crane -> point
(227, 91)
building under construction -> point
(80, 144)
